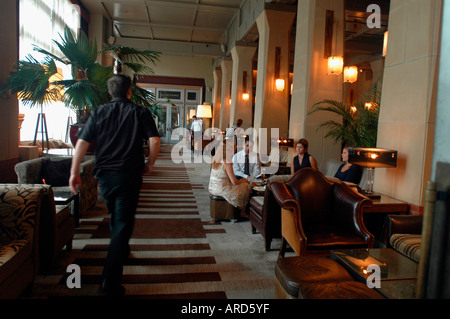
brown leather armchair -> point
(265, 213)
(320, 215)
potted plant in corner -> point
(88, 87)
(359, 122)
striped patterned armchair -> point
(19, 224)
(58, 168)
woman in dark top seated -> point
(303, 158)
(348, 172)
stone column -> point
(225, 106)
(408, 104)
(310, 82)
(9, 109)
(271, 106)
(242, 56)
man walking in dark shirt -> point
(119, 129)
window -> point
(40, 22)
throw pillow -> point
(56, 173)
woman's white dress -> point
(220, 185)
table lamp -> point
(372, 158)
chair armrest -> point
(283, 195)
(29, 172)
(403, 224)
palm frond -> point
(30, 80)
(139, 69)
(359, 124)
(79, 51)
(132, 55)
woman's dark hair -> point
(118, 85)
(304, 142)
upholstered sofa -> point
(19, 231)
(329, 168)
(56, 172)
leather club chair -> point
(265, 213)
(317, 277)
(319, 215)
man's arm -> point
(154, 144)
(75, 179)
(237, 168)
(256, 167)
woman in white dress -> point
(224, 183)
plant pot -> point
(74, 129)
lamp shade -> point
(372, 157)
(335, 65)
(279, 85)
(350, 74)
(204, 111)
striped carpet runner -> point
(171, 255)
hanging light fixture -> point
(350, 74)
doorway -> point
(179, 105)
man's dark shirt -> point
(119, 129)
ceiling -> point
(177, 22)
(187, 23)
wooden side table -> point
(375, 215)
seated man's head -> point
(248, 145)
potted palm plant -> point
(358, 125)
(31, 79)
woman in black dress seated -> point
(303, 158)
(348, 172)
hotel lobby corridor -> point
(176, 250)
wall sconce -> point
(245, 95)
(279, 82)
(368, 105)
(350, 74)
(279, 85)
(335, 65)
(385, 42)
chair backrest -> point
(329, 168)
(19, 211)
(314, 192)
